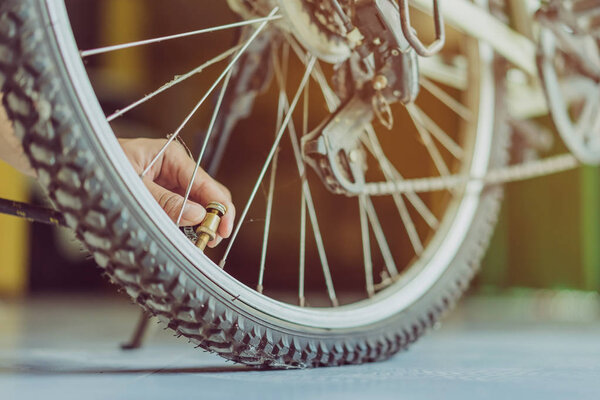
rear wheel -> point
(400, 261)
(569, 67)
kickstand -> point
(137, 338)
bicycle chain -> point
(498, 176)
(513, 173)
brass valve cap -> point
(216, 206)
(207, 230)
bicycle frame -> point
(516, 45)
(477, 22)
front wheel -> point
(425, 250)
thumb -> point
(171, 203)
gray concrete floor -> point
(491, 348)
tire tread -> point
(55, 144)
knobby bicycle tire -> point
(82, 183)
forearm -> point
(11, 149)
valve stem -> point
(207, 230)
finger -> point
(210, 190)
(171, 203)
(223, 188)
(141, 152)
(177, 170)
(216, 242)
(205, 190)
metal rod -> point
(175, 81)
(212, 88)
(87, 53)
(137, 337)
(32, 213)
(263, 171)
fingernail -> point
(193, 213)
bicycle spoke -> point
(438, 133)
(418, 204)
(263, 171)
(305, 109)
(302, 255)
(391, 174)
(388, 259)
(269, 209)
(433, 151)
(331, 99)
(460, 109)
(317, 233)
(436, 69)
(177, 80)
(366, 244)
(209, 132)
(106, 49)
(308, 198)
(212, 88)
(267, 227)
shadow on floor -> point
(56, 370)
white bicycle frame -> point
(525, 100)
(478, 23)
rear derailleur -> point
(382, 69)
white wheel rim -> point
(380, 307)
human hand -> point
(11, 149)
(169, 177)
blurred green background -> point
(548, 234)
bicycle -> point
(370, 69)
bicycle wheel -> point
(569, 67)
(424, 270)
